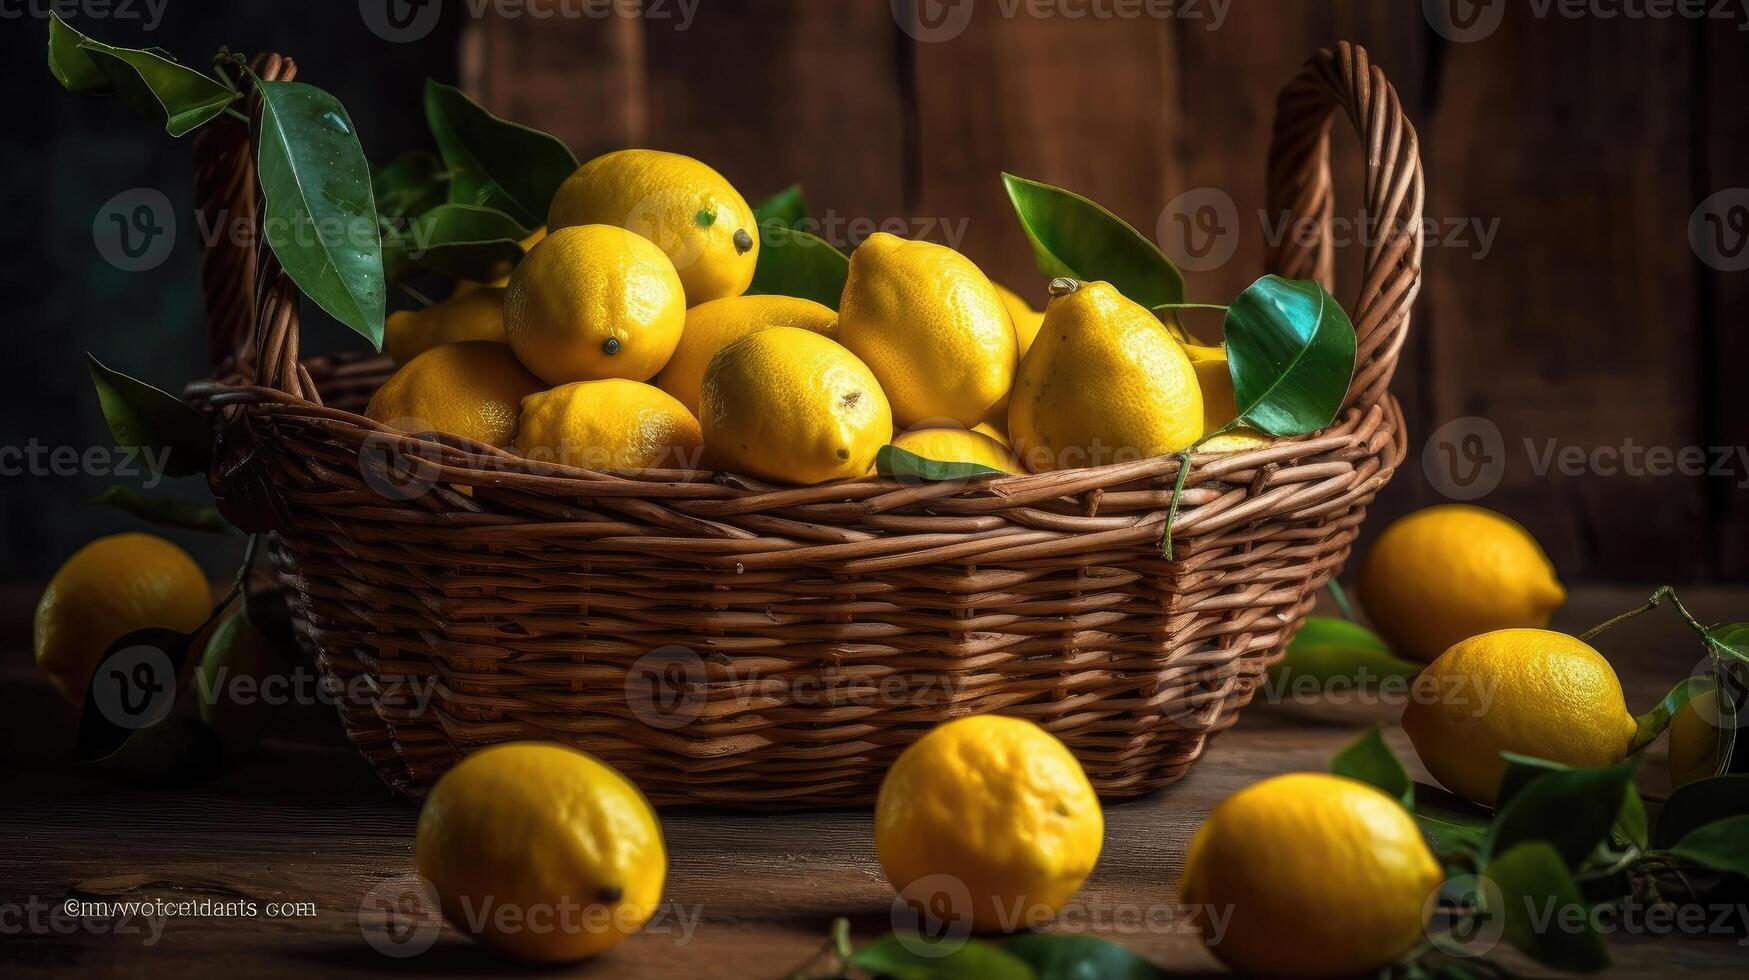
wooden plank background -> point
(1563, 303)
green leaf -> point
(796, 263)
(321, 217)
(1572, 810)
(1544, 915)
(497, 163)
(177, 512)
(410, 185)
(1451, 825)
(907, 466)
(1328, 649)
(918, 958)
(1371, 761)
(1650, 725)
(1722, 845)
(459, 241)
(175, 439)
(1074, 237)
(1290, 350)
(73, 67)
(1699, 803)
(1060, 957)
(151, 83)
(788, 208)
(1730, 640)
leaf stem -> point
(1659, 596)
(1172, 509)
(418, 296)
(1340, 594)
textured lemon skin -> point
(109, 588)
(931, 327)
(790, 405)
(1212, 375)
(999, 804)
(959, 446)
(1103, 383)
(1450, 572)
(472, 314)
(472, 389)
(714, 325)
(612, 424)
(547, 831)
(1694, 740)
(593, 302)
(1315, 875)
(1529, 691)
(661, 196)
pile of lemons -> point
(625, 339)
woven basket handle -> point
(251, 304)
(1300, 190)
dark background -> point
(1582, 146)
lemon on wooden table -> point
(1446, 573)
(1103, 383)
(592, 302)
(790, 405)
(931, 327)
(959, 446)
(693, 215)
(713, 325)
(472, 389)
(612, 424)
(476, 314)
(541, 851)
(1309, 874)
(107, 589)
(1529, 691)
(997, 810)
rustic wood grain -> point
(306, 821)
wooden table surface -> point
(747, 896)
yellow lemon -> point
(714, 325)
(1212, 375)
(593, 302)
(613, 424)
(996, 811)
(1694, 740)
(958, 446)
(1309, 874)
(695, 216)
(994, 431)
(541, 851)
(109, 588)
(476, 314)
(1026, 319)
(1529, 691)
(1235, 441)
(788, 404)
(465, 285)
(473, 389)
(931, 327)
(1104, 383)
(1449, 572)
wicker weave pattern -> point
(727, 641)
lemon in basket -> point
(1212, 375)
(1446, 573)
(592, 302)
(1309, 874)
(714, 325)
(790, 405)
(1529, 691)
(472, 389)
(959, 446)
(1104, 383)
(109, 588)
(470, 314)
(996, 812)
(693, 215)
(612, 424)
(931, 327)
(541, 851)
(1026, 319)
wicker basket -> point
(725, 641)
